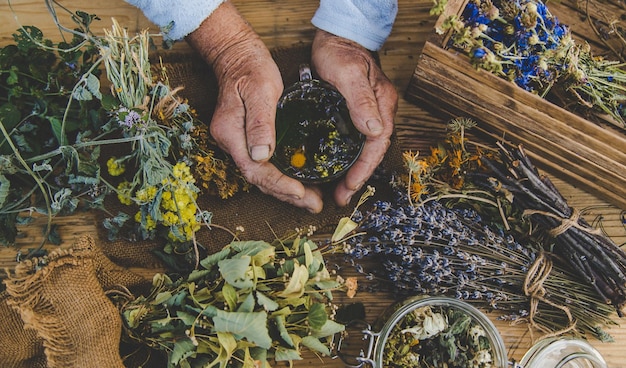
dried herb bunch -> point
(588, 251)
(50, 113)
(250, 303)
(62, 135)
(502, 199)
(435, 250)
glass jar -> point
(316, 140)
(368, 349)
(375, 353)
(562, 352)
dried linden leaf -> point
(251, 326)
(295, 287)
(315, 344)
(344, 227)
(235, 271)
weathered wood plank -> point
(284, 23)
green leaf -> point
(210, 261)
(251, 326)
(109, 102)
(13, 76)
(88, 88)
(183, 349)
(282, 330)
(283, 354)
(235, 272)
(161, 298)
(81, 93)
(283, 311)
(345, 226)
(251, 247)
(187, 318)
(315, 344)
(5, 185)
(9, 117)
(228, 344)
(267, 303)
(196, 275)
(230, 296)
(247, 305)
(308, 255)
(264, 256)
(57, 129)
(260, 355)
(317, 316)
(330, 328)
(93, 85)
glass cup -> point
(316, 141)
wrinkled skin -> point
(250, 86)
(372, 101)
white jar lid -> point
(562, 352)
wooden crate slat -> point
(606, 182)
(526, 110)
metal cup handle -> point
(364, 356)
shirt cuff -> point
(176, 19)
(365, 22)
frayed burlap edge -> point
(26, 288)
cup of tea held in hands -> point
(316, 141)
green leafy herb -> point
(248, 303)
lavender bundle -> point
(592, 254)
(431, 249)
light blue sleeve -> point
(367, 22)
(176, 19)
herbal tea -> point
(315, 138)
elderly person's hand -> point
(371, 99)
(250, 85)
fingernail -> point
(374, 125)
(348, 199)
(260, 152)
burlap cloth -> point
(57, 310)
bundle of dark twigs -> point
(590, 252)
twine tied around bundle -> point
(537, 274)
(566, 223)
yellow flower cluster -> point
(124, 194)
(178, 204)
(148, 222)
(171, 204)
(115, 167)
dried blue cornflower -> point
(524, 43)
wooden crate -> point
(589, 155)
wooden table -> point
(286, 23)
